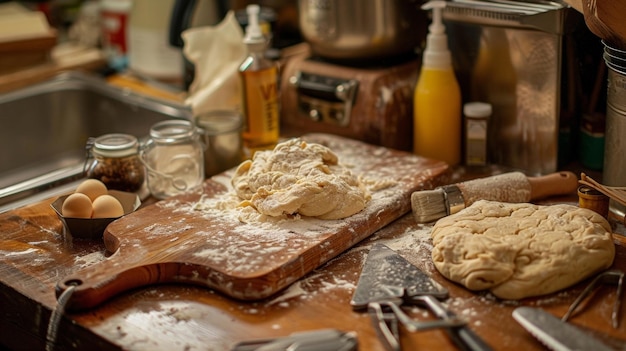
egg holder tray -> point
(93, 228)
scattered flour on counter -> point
(413, 238)
(89, 259)
(19, 253)
(415, 244)
(555, 299)
(319, 282)
(337, 283)
(293, 291)
(160, 229)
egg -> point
(107, 206)
(77, 205)
(92, 188)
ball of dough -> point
(92, 188)
(299, 178)
(107, 206)
(519, 250)
(77, 205)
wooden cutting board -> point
(185, 239)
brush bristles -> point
(428, 205)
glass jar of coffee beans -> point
(114, 160)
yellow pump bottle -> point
(437, 101)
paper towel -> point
(217, 52)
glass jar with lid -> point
(174, 158)
(115, 161)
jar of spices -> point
(174, 158)
(115, 161)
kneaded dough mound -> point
(299, 178)
(521, 250)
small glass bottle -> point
(116, 163)
(174, 158)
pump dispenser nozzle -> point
(437, 102)
(253, 29)
(436, 54)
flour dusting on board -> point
(89, 259)
(233, 245)
(259, 236)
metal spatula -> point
(387, 276)
(387, 281)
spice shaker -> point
(476, 124)
(174, 158)
(115, 161)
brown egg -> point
(77, 205)
(92, 188)
(106, 206)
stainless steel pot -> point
(362, 29)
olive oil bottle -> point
(259, 83)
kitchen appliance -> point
(374, 29)
(372, 104)
(510, 54)
(357, 77)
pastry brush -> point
(431, 205)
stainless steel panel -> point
(510, 55)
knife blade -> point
(554, 333)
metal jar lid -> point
(115, 145)
(173, 131)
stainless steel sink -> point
(44, 129)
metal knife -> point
(554, 333)
(315, 340)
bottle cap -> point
(477, 109)
(254, 33)
(436, 53)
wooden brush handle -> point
(559, 183)
(517, 187)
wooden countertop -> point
(36, 255)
